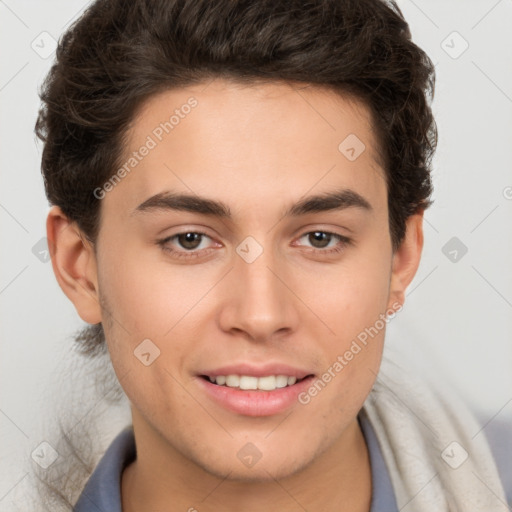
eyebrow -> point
(337, 200)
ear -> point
(406, 259)
(74, 264)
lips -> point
(254, 390)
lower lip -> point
(252, 402)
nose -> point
(259, 300)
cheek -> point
(351, 306)
(159, 304)
(150, 298)
(347, 298)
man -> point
(238, 196)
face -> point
(248, 279)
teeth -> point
(281, 381)
(248, 382)
(267, 383)
(233, 381)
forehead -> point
(238, 141)
(294, 111)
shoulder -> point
(498, 432)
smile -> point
(249, 395)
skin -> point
(258, 149)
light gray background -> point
(457, 322)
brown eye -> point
(189, 240)
(187, 244)
(319, 239)
(324, 242)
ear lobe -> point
(74, 264)
(406, 259)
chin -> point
(258, 460)
(261, 472)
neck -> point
(162, 479)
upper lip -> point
(254, 370)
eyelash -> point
(343, 241)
